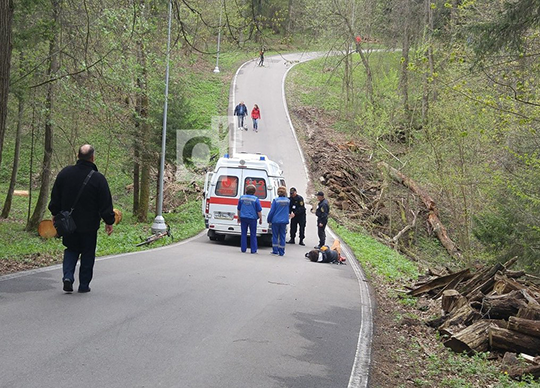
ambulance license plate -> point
(224, 216)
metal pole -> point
(159, 222)
(216, 69)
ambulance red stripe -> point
(234, 201)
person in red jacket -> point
(256, 115)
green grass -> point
(185, 222)
(376, 256)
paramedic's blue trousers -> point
(252, 224)
(279, 231)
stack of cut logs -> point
(494, 309)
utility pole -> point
(159, 225)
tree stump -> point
(451, 300)
(117, 216)
(46, 229)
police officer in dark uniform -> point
(322, 218)
(297, 209)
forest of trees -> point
(466, 108)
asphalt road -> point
(197, 313)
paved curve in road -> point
(197, 313)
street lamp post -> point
(159, 225)
(216, 69)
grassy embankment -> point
(312, 85)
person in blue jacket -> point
(279, 218)
(249, 210)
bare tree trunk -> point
(289, 18)
(143, 135)
(369, 76)
(136, 175)
(428, 92)
(431, 59)
(41, 204)
(6, 19)
(13, 181)
(347, 79)
(404, 74)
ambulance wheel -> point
(212, 235)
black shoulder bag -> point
(63, 222)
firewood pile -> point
(494, 309)
(344, 168)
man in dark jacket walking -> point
(94, 204)
(322, 218)
(241, 111)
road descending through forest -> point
(198, 314)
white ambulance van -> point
(224, 186)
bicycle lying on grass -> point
(156, 237)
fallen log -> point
(525, 326)
(517, 372)
(529, 312)
(474, 338)
(515, 274)
(452, 285)
(438, 283)
(484, 281)
(513, 341)
(515, 367)
(503, 285)
(503, 306)
(21, 193)
(429, 203)
(464, 316)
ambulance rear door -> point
(264, 191)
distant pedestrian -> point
(95, 203)
(323, 208)
(241, 111)
(279, 218)
(256, 115)
(297, 210)
(249, 210)
(261, 57)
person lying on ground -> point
(326, 254)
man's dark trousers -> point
(322, 234)
(83, 245)
(298, 221)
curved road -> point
(197, 313)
